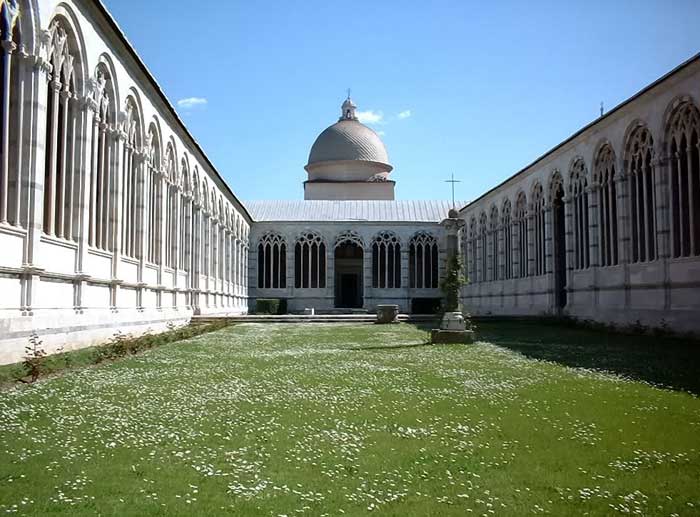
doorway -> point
(348, 276)
(559, 233)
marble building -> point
(605, 226)
(112, 218)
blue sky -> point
(475, 88)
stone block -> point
(387, 313)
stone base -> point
(451, 336)
(387, 313)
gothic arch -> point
(105, 66)
(423, 261)
(507, 225)
(309, 260)
(65, 19)
(682, 143)
(538, 206)
(578, 192)
(604, 175)
(272, 261)
(556, 181)
(640, 173)
(349, 237)
(520, 213)
(386, 260)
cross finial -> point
(348, 93)
(453, 181)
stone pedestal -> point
(453, 329)
(387, 313)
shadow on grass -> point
(665, 361)
(391, 347)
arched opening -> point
(272, 262)
(310, 262)
(348, 274)
(386, 261)
(559, 235)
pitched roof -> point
(355, 210)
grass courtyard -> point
(338, 419)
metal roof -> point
(355, 210)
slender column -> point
(60, 193)
(593, 226)
(7, 48)
(86, 180)
(21, 142)
(95, 137)
(166, 215)
(691, 197)
(50, 190)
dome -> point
(348, 139)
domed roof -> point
(348, 139)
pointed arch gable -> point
(65, 16)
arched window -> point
(309, 261)
(102, 179)
(62, 136)
(483, 247)
(154, 196)
(423, 261)
(538, 211)
(604, 172)
(386, 261)
(185, 217)
(12, 200)
(641, 195)
(473, 236)
(507, 225)
(272, 262)
(522, 226)
(579, 201)
(131, 245)
(683, 132)
(493, 244)
(171, 209)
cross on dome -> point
(348, 109)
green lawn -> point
(339, 419)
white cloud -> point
(381, 133)
(191, 102)
(404, 114)
(370, 117)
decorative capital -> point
(8, 46)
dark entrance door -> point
(348, 276)
(349, 291)
(559, 233)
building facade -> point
(604, 227)
(344, 255)
(113, 219)
(111, 216)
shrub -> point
(451, 283)
(267, 306)
(34, 358)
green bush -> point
(267, 306)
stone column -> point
(593, 224)
(7, 47)
(89, 112)
(549, 254)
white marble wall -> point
(661, 292)
(69, 292)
